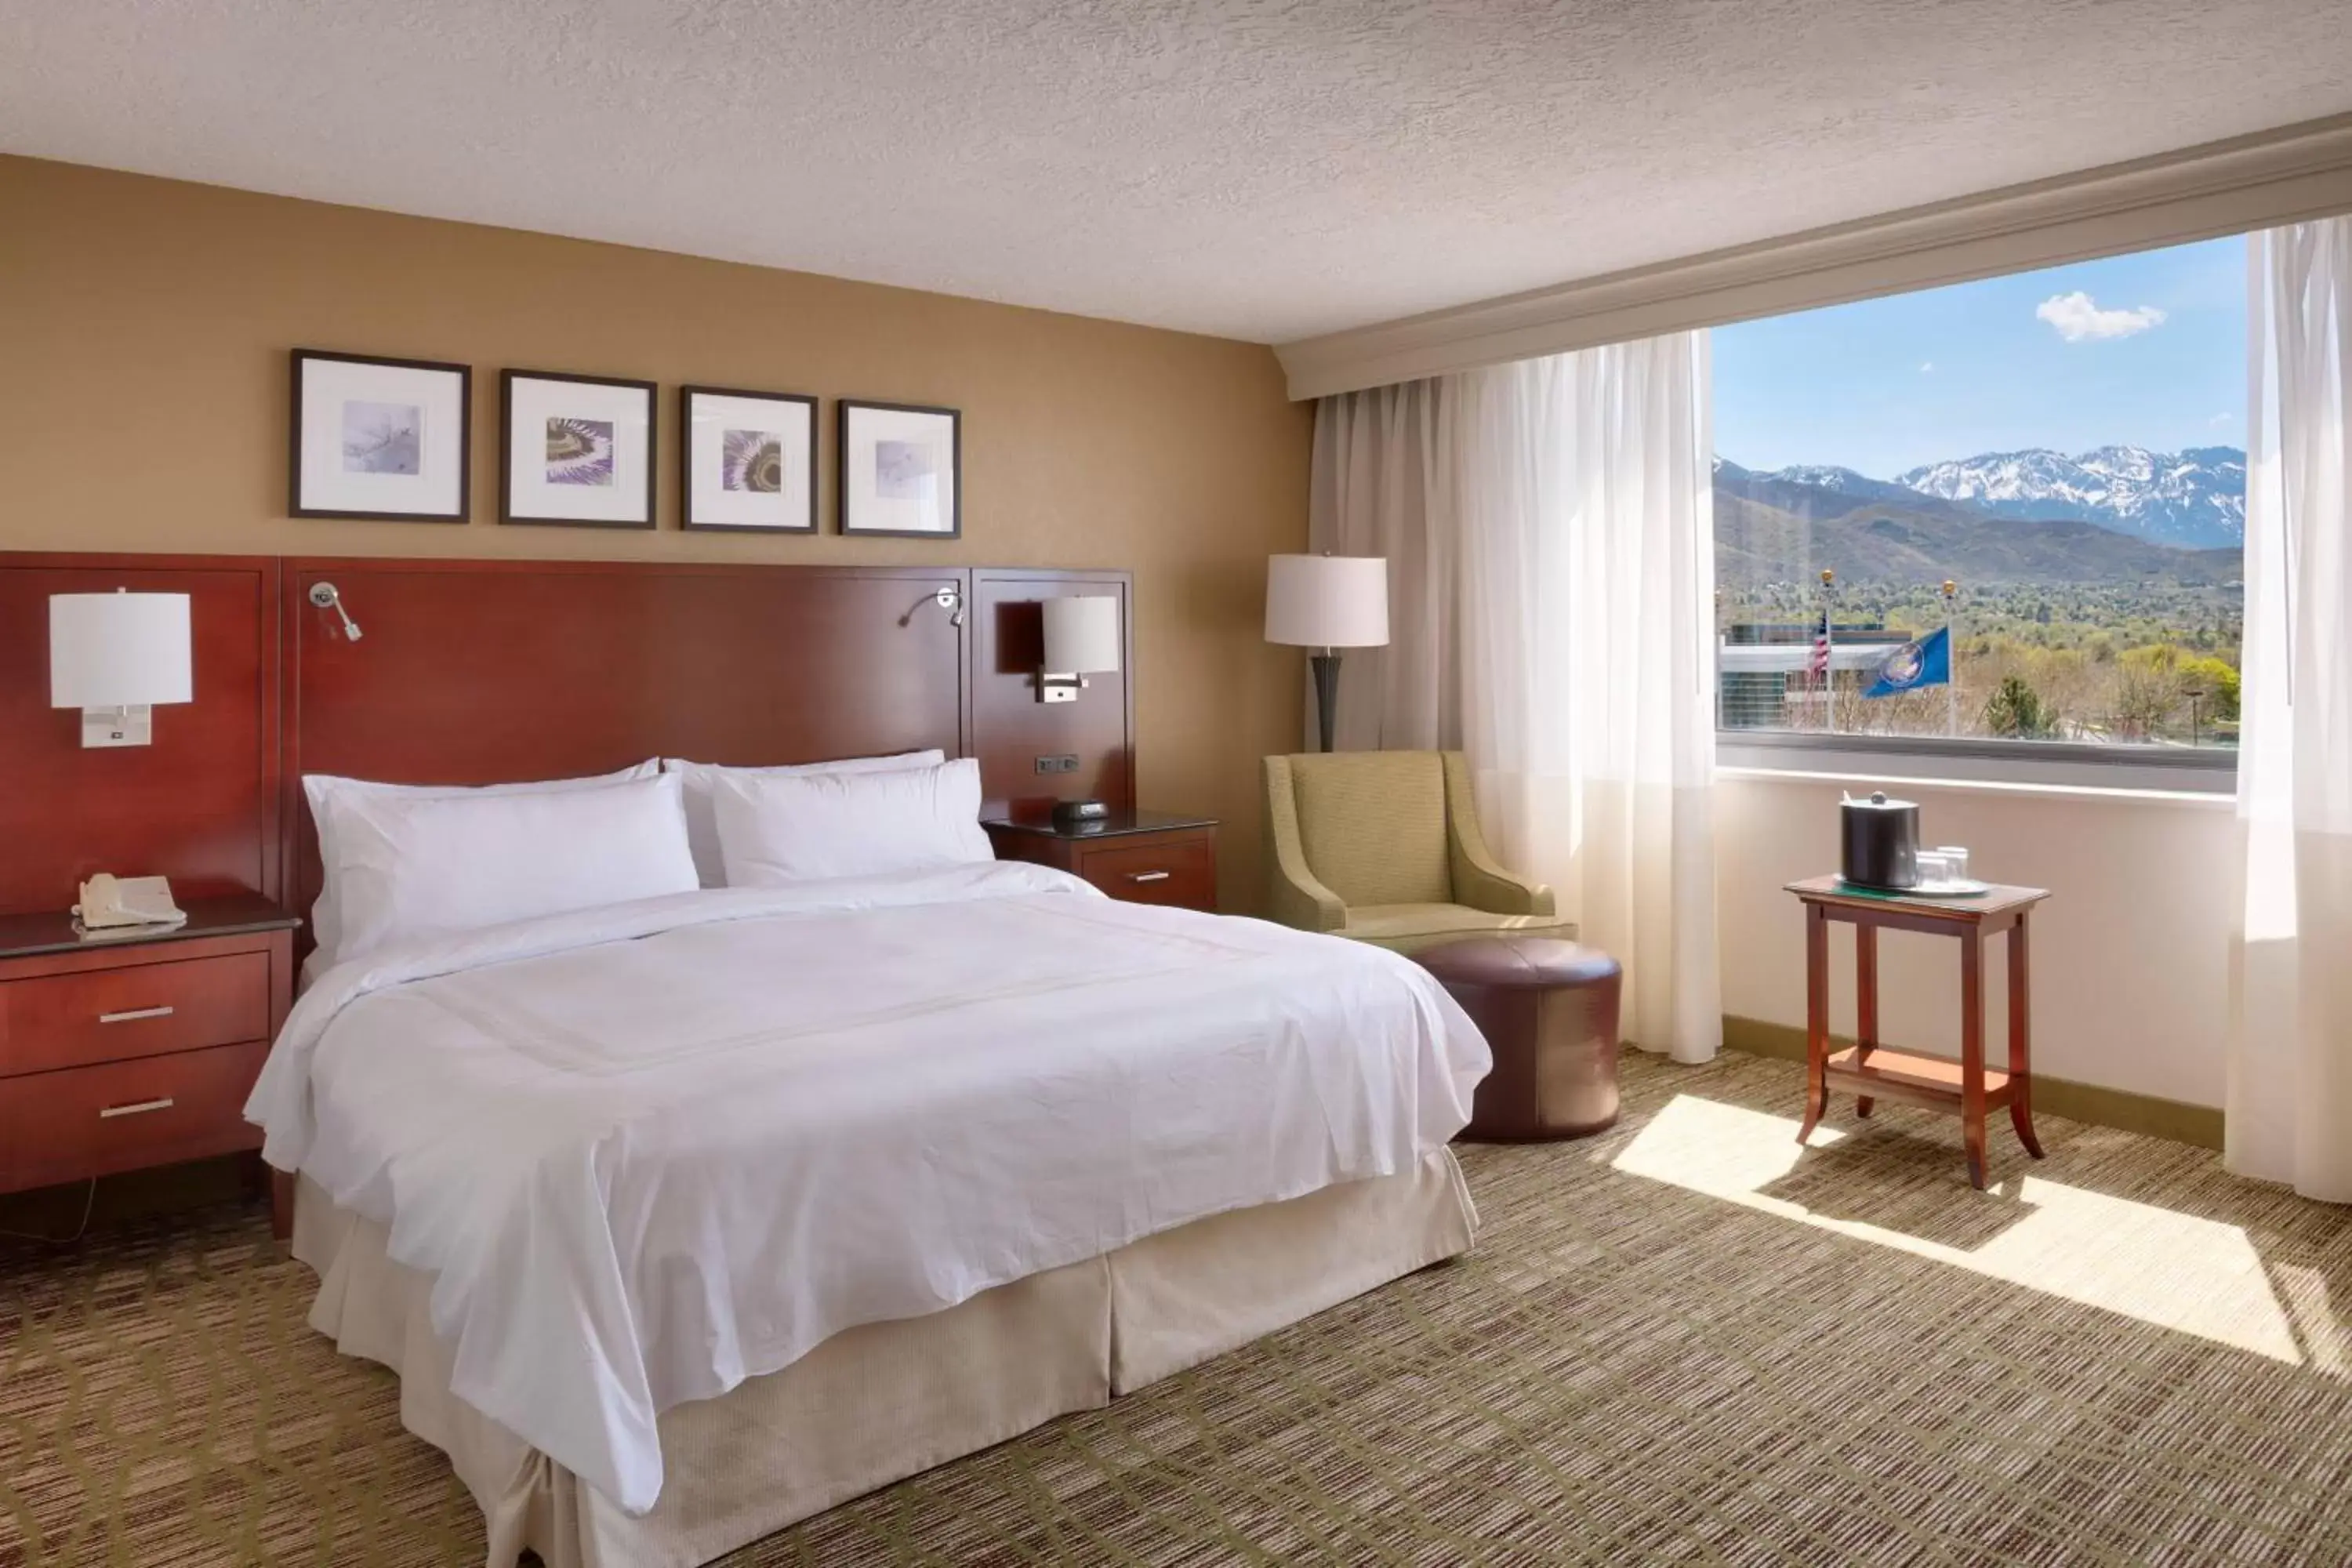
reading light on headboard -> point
(115, 655)
(326, 597)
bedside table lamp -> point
(115, 656)
(1327, 601)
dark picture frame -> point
(851, 480)
(696, 511)
(443, 453)
(587, 459)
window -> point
(2009, 510)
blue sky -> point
(2157, 358)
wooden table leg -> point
(1972, 1084)
(2021, 1055)
(1817, 1018)
(1866, 1000)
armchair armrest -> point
(1293, 896)
(1479, 881)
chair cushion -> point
(1372, 825)
(1409, 927)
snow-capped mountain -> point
(2195, 499)
(1845, 481)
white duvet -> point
(652, 1150)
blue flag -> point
(1924, 662)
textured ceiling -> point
(1264, 171)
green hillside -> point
(1767, 532)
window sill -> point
(2023, 765)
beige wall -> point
(144, 330)
(2130, 973)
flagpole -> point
(1829, 651)
(1951, 661)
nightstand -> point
(119, 1053)
(1141, 857)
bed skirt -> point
(877, 1404)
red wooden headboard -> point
(484, 671)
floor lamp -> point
(1327, 601)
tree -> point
(2016, 711)
(2217, 680)
(2147, 691)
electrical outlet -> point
(1065, 763)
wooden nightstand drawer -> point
(1140, 857)
(123, 1116)
(136, 1010)
(1182, 872)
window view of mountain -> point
(2011, 509)
(2094, 598)
(2196, 498)
(1966, 517)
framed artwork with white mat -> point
(575, 449)
(383, 439)
(748, 462)
(901, 470)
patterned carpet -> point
(1676, 1343)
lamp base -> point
(1326, 695)
(133, 726)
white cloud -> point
(2220, 419)
(2077, 317)
(1927, 367)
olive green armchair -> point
(1384, 846)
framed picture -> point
(385, 438)
(751, 460)
(575, 449)
(901, 470)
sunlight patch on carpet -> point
(2174, 1271)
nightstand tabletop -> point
(1118, 823)
(52, 931)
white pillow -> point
(325, 790)
(702, 830)
(421, 867)
(791, 828)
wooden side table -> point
(1872, 1071)
(137, 1049)
(1137, 857)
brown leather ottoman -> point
(1548, 1010)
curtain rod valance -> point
(2274, 177)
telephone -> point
(124, 903)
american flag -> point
(1818, 664)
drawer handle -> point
(134, 1013)
(1147, 876)
(141, 1108)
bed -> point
(683, 1218)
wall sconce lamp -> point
(115, 656)
(324, 595)
(1081, 639)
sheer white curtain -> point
(1549, 532)
(2290, 1081)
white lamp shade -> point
(1327, 601)
(1081, 635)
(119, 650)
